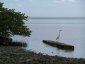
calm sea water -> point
(73, 32)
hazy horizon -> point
(56, 17)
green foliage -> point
(12, 22)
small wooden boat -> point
(59, 45)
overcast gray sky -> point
(48, 8)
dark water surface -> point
(73, 32)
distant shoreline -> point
(56, 17)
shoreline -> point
(18, 55)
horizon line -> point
(56, 17)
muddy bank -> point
(17, 55)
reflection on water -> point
(47, 29)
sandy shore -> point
(17, 55)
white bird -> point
(58, 35)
